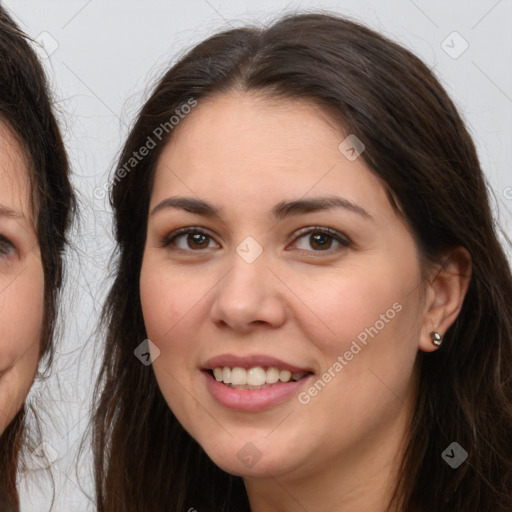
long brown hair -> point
(418, 145)
(26, 108)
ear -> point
(444, 295)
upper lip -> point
(251, 361)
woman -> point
(36, 202)
(307, 257)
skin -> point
(296, 302)
(21, 281)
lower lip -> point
(253, 399)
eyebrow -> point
(280, 211)
(12, 214)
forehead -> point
(14, 174)
(227, 126)
(244, 143)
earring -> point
(437, 339)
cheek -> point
(21, 313)
(373, 315)
(359, 303)
(21, 317)
(170, 308)
(164, 299)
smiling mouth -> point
(258, 377)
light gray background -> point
(103, 56)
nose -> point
(249, 295)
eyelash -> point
(6, 247)
(343, 240)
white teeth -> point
(238, 376)
(254, 378)
(272, 375)
(226, 375)
(285, 376)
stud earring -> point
(437, 339)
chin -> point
(249, 459)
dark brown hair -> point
(26, 108)
(417, 143)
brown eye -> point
(188, 239)
(320, 239)
(197, 241)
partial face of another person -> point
(21, 281)
(281, 289)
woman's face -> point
(21, 281)
(274, 250)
